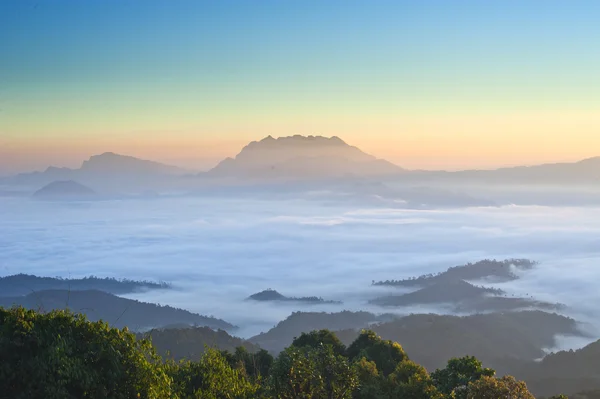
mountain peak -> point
(302, 157)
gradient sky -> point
(423, 83)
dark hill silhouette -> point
(497, 270)
(119, 312)
(24, 284)
(285, 331)
(270, 295)
(65, 189)
(189, 343)
(302, 157)
(442, 292)
(566, 371)
(449, 288)
(432, 339)
(465, 297)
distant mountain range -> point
(316, 164)
(306, 157)
(107, 169)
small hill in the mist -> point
(25, 284)
(270, 295)
(300, 157)
(118, 312)
(65, 190)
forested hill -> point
(25, 284)
(117, 311)
(432, 339)
(191, 343)
(498, 270)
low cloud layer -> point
(217, 252)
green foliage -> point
(384, 353)
(315, 339)
(255, 365)
(455, 378)
(312, 373)
(411, 381)
(61, 355)
(211, 378)
(506, 387)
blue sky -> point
(227, 70)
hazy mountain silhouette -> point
(584, 171)
(65, 190)
(107, 168)
(122, 164)
(302, 157)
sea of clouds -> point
(217, 251)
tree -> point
(314, 339)
(62, 355)
(211, 378)
(370, 381)
(411, 381)
(384, 353)
(311, 373)
(455, 378)
(506, 387)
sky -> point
(426, 84)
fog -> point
(217, 252)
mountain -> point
(274, 296)
(122, 164)
(564, 371)
(106, 169)
(302, 157)
(65, 190)
(432, 339)
(585, 171)
(465, 298)
(118, 312)
(497, 271)
(25, 284)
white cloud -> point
(217, 251)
